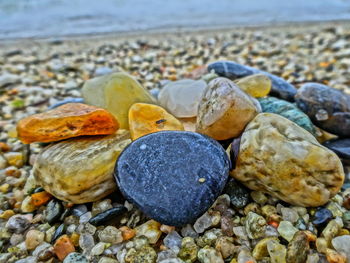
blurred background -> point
(46, 18)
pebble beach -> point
(242, 225)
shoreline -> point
(177, 32)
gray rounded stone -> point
(172, 176)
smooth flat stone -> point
(80, 170)
(147, 118)
(287, 110)
(67, 121)
(108, 215)
(232, 70)
(256, 85)
(328, 108)
(115, 92)
(172, 176)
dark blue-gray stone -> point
(108, 215)
(61, 230)
(287, 110)
(328, 108)
(65, 101)
(238, 193)
(322, 216)
(172, 176)
(233, 70)
(53, 211)
(341, 147)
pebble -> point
(149, 229)
(282, 145)
(334, 257)
(286, 230)
(107, 260)
(189, 250)
(322, 216)
(84, 177)
(255, 225)
(173, 241)
(147, 118)
(53, 211)
(27, 205)
(342, 245)
(257, 85)
(115, 92)
(100, 71)
(233, 70)
(181, 98)
(63, 246)
(18, 223)
(289, 111)
(67, 121)
(61, 229)
(155, 187)
(289, 214)
(108, 215)
(238, 193)
(111, 235)
(202, 223)
(225, 110)
(34, 238)
(209, 255)
(298, 248)
(277, 252)
(98, 249)
(7, 79)
(75, 257)
(328, 108)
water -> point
(47, 18)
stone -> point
(332, 229)
(334, 257)
(61, 229)
(255, 225)
(341, 147)
(322, 216)
(286, 230)
(257, 85)
(27, 205)
(107, 260)
(53, 211)
(289, 111)
(18, 223)
(328, 108)
(238, 193)
(154, 187)
(260, 250)
(15, 159)
(273, 150)
(202, 223)
(189, 250)
(34, 238)
(101, 206)
(276, 251)
(115, 92)
(128, 233)
(342, 244)
(149, 229)
(298, 248)
(8, 79)
(98, 249)
(67, 121)
(173, 241)
(289, 214)
(209, 255)
(75, 257)
(86, 243)
(147, 118)
(232, 70)
(188, 231)
(245, 256)
(146, 255)
(111, 234)
(84, 177)
(65, 101)
(225, 110)
(63, 246)
(225, 246)
(181, 98)
(108, 215)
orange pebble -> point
(67, 121)
(4, 147)
(63, 246)
(127, 233)
(273, 223)
(41, 198)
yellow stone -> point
(149, 229)
(80, 170)
(257, 85)
(7, 214)
(116, 93)
(147, 118)
(260, 250)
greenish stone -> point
(287, 110)
(188, 251)
(298, 248)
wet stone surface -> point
(157, 169)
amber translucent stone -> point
(63, 246)
(69, 120)
(147, 118)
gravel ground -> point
(35, 74)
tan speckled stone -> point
(225, 110)
(80, 170)
(279, 157)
